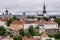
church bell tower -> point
(44, 10)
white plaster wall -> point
(51, 26)
(26, 26)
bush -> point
(57, 20)
(32, 30)
(21, 32)
(45, 18)
(48, 39)
(8, 34)
(9, 21)
(17, 37)
(2, 31)
(28, 35)
(56, 36)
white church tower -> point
(44, 13)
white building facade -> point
(49, 25)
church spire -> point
(44, 9)
(44, 6)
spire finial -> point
(6, 10)
(44, 5)
(44, 8)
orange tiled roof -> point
(15, 25)
(17, 22)
(32, 21)
(35, 21)
(4, 19)
(47, 22)
(16, 28)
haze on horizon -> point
(29, 5)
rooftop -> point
(17, 22)
(4, 19)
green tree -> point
(56, 36)
(17, 38)
(28, 17)
(31, 30)
(9, 21)
(8, 34)
(57, 20)
(2, 30)
(54, 16)
(15, 18)
(37, 34)
(28, 35)
(21, 32)
(38, 18)
(45, 18)
(33, 17)
(48, 39)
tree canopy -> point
(31, 30)
(21, 32)
(2, 30)
(9, 21)
(57, 20)
(17, 37)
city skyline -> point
(16, 6)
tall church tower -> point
(44, 10)
(24, 15)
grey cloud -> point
(29, 5)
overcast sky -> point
(29, 5)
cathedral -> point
(6, 14)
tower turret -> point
(2, 13)
(6, 12)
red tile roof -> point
(16, 25)
(42, 21)
(47, 22)
(4, 19)
(16, 22)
